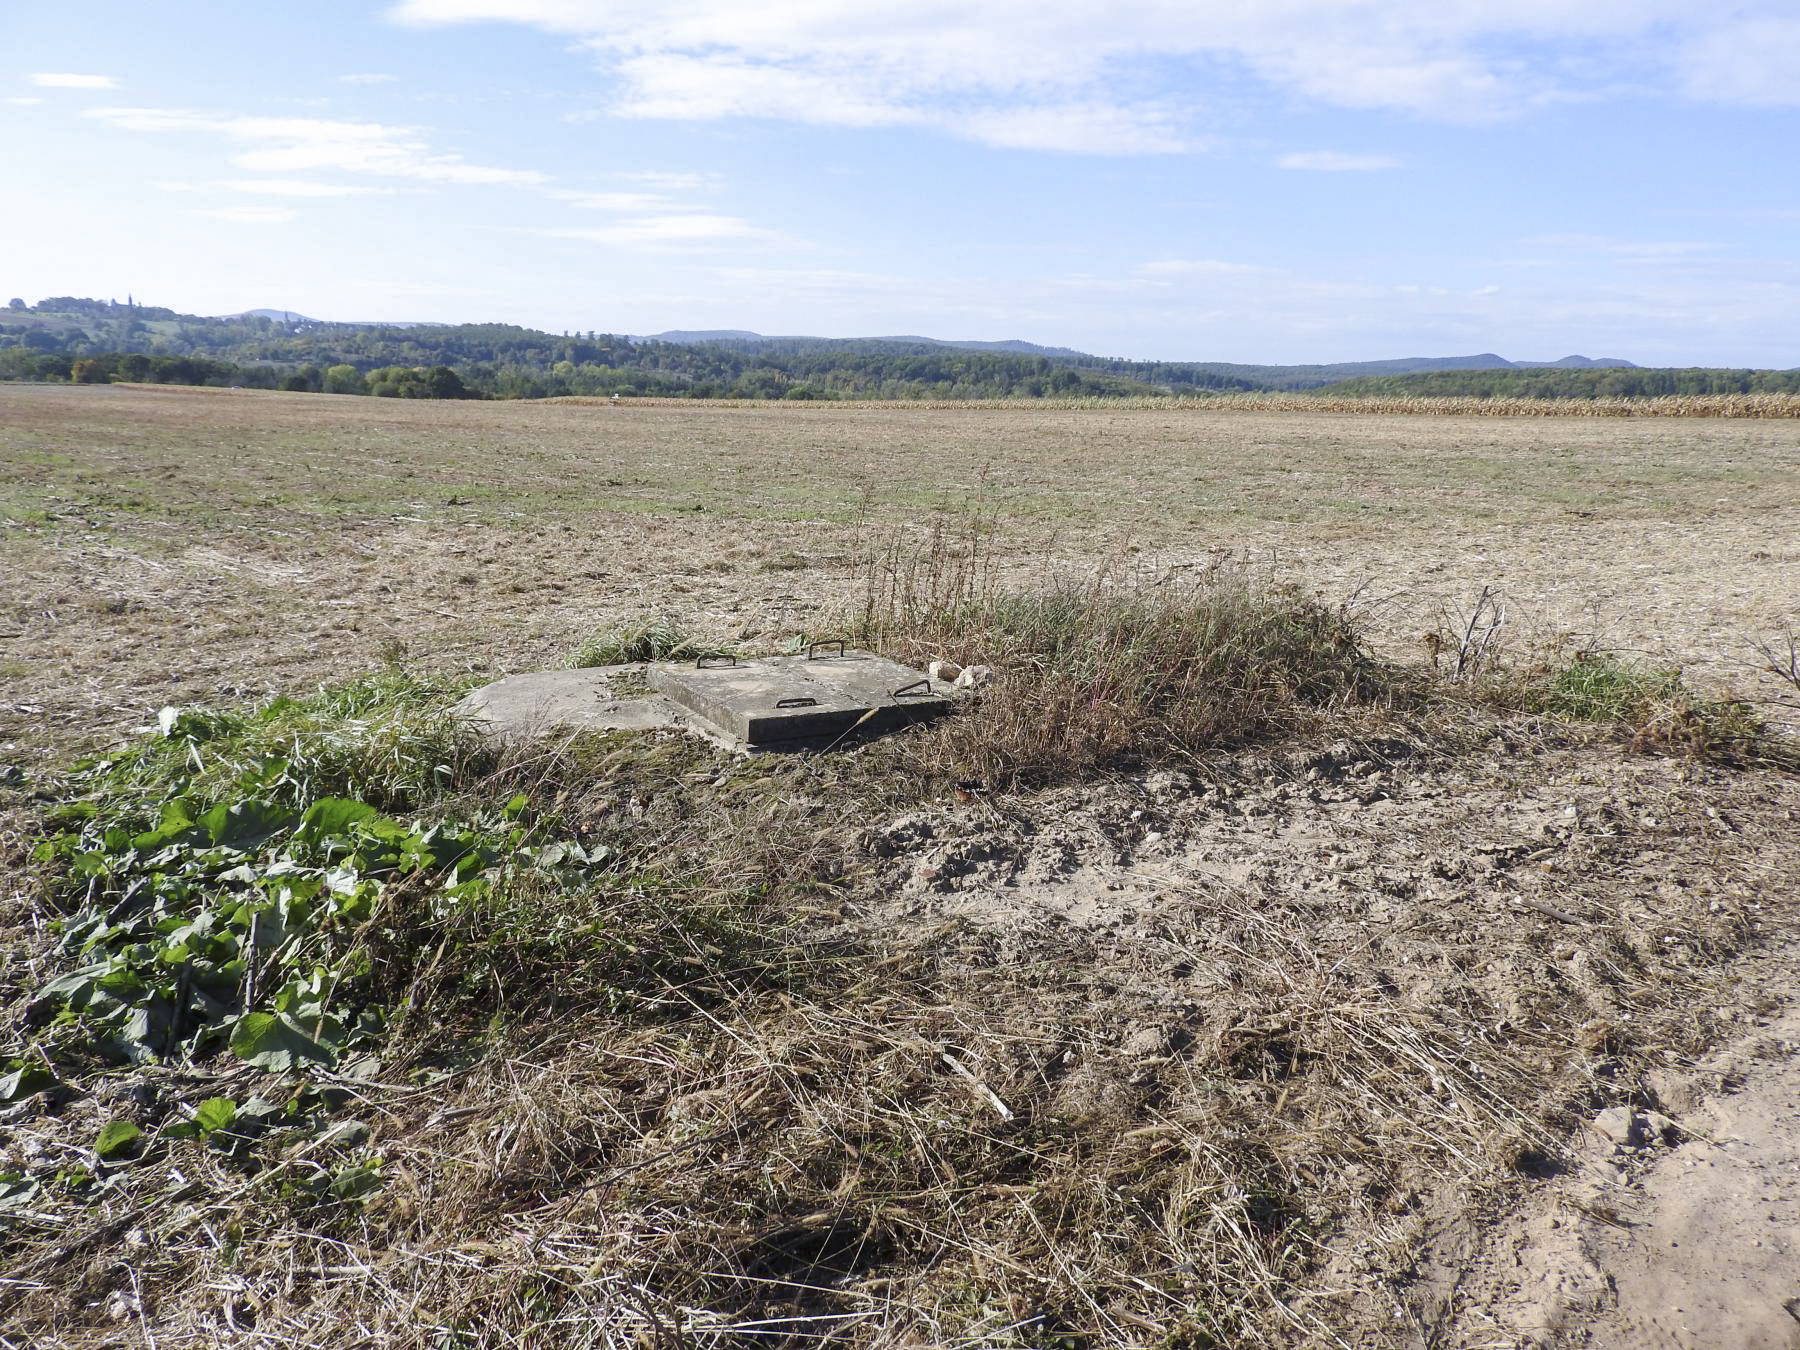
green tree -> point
(443, 382)
(344, 379)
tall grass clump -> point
(1110, 671)
(655, 637)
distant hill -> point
(1592, 380)
(688, 337)
(1017, 345)
(1580, 363)
(1171, 375)
(76, 339)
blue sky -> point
(1244, 180)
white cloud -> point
(1755, 61)
(279, 187)
(300, 187)
(667, 231)
(1333, 161)
(21, 102)
(1133, 76)
(1645, 249)
(1079, 128)
(74, 81)
(373, 77)
(287, 145)
(247, 215)
(665, 180)
(619, 202)
(1177, 267)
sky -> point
(1234, 180)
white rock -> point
(1620, 1125)
(973, 677)
(944, 671)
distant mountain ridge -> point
(84, 340)
(1293, 376)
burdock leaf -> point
(116, 1137)
(270, 1041)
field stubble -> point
(154, 536)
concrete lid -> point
(829, 693)
(545, 700)
(764, 703)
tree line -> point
(78, 340)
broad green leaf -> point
(272, 1042)
(27, 1080)
(16, 1189)
(116, 1137)
(77, 985)
(357, 1181)
(215, 1113)
(247, 823)
(332, 816)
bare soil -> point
(1550, 901)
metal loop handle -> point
(715, 657)
(796, 703)
(812, 648)
(917, 689)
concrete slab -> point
(785, 699)
(605, 698)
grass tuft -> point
(1652, 709)
(1111, 672)
(653, 638)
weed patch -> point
(1111, 672)
(656, 638)
(223, 896)
(1651, 709)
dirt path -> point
(1677, 1227)
(1713, 1259)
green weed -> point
(654, 638)
(1654, 708)
(1110, 671)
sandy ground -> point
(1677, 1225)
(1672, 1220)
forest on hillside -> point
(87, 341)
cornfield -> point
(1672, 405)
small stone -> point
(973, 677)
(945, 672)
(1621, 1125)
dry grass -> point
(1668, 405)
(800, 1124)
(956, 1135)
(1120, 669)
